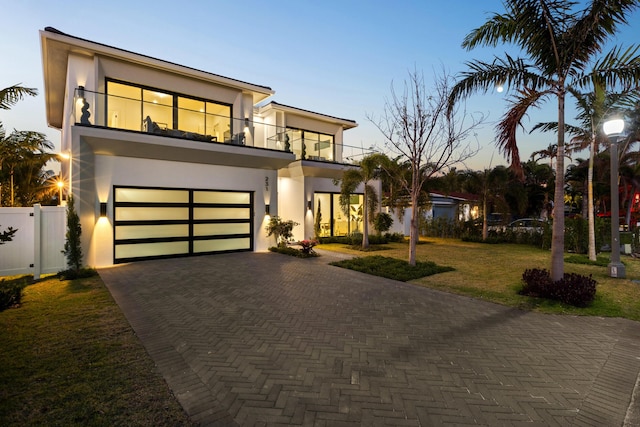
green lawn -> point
(70, 358)
(494, 272)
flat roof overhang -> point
(110, 142)
(57, 46)
(317, 169)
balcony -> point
(178, 117)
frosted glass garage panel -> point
(141, 250)
(142, 195)
(221, 229)
(221, 245)
(221, 213)
(151, 213)
(124, 232)
(221, 197)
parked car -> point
(527, 224)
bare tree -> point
(417, 129)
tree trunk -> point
(365, 219)
(557, 239)
(590, 209)
(413, 233)
(485, 227)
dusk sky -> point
(332, 57)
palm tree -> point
(368, 171)
(558, 44)
(593, 109)
(11, 95)
(23, 155)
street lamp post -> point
(613, 129)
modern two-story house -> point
(165, 160)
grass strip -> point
(69, 357)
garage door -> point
(153, 223)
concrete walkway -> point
(257, 339)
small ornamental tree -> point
(72, 246)
(7, 235)
(382, 222)
(317, 227)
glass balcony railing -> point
(211, 123)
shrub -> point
(394, 237)
(382, 222)
(73, 246)
(10, 294)
(356, 239)
(72, 274)
(537, 283)
(286, 250)
(391, 268)
(573, 289)
(281, 229)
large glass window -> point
(123, 106)
(322, 213)
(158, 106)
(218, 121)
(310, 145)
(333, 221)
(191, 115)
(149, 110)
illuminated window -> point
(154, 111)
(333, 221)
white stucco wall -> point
(110, 171)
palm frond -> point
(512, 121)
(11, 95)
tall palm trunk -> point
(557, 239)
(365, 218)
(591, 213)
(485, 227)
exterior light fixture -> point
(81, 92)
(103, 209)
(267, 209)
(60, 185)
(613, 129)
(246, 122)
(309, 205)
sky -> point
(336, 57)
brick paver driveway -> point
(266, 339)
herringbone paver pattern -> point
(258, 339)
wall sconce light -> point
(81, 92)
(246, 122)
(103, 209)
(266, 209)
(309, 205)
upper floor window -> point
(311, 145)
(150, 110)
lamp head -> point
(613, 127)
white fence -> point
(37, 246)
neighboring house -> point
(166, 160)
(453, 206)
